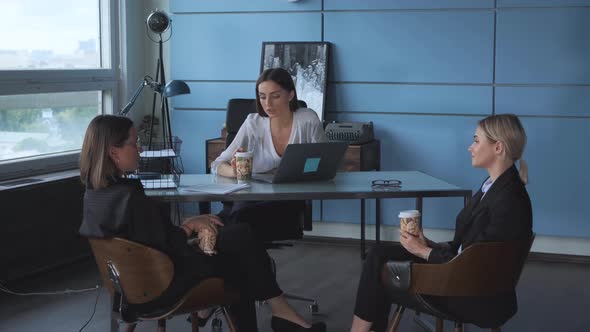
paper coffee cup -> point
(410, 221)
(207, 241)
(244, 166)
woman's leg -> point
(270, 220)
(237, 246)
(372, 304)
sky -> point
(55, 25)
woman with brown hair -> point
(115, 206)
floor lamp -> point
(157, 23)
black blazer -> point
(123, 210)
(504, 214)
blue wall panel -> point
(436, 145)
(452, 47)
(557, 153)
(544, 101)
(409, 98)
(543, 46)
(404, 4)
(214, 94)
(228, 46)
(541, 3)
(193, 128)
(178, 6)
(380, 56)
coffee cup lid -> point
(409, 214)
(244, 154)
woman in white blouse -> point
(278, 123)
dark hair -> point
(281, 77)
(507, 129)
(104, 132)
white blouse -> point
(255, 135)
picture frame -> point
(307, 62)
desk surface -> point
(347, 185)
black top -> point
(123, 210)
(504, 214)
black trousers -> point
(269, 220)
(372, 300)
(241, 261)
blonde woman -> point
(499, 211)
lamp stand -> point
(164, 108)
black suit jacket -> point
(504, 214)
(123, 210)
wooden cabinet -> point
(363, 157)
(213, 149)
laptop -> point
(306, 162)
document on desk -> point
(215, 188)
(166, 153)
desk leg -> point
(204, 207)
(419, 205)
(363, 252)
(378, 220)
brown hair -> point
(104, 132)
(281, 77)
(508, 129)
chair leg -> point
(194, 322)
(130, 327)
(228, 319)
(162, 325)
(439, 324)
(458, 327)
(396, 319)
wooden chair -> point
(136, 274)
(482, 269)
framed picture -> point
(307, 62)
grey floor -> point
(552, 296)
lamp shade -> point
(175, 88)
(158, 21)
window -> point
(57, 71)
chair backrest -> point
(237, 112)
(143, 271)
(487, 268)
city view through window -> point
(54, 36)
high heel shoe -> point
(282, 325)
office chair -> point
(237, 112)
(482, 269)
(135, 274)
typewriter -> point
(351, 132)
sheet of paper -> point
(215, 188)
(158, 153)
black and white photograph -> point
(307, 62)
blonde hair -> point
(104, 132)
(508, 129)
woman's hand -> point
(229, 169)
(233, 160)
(198, 223)
(415, 244)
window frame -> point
(105, 79)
